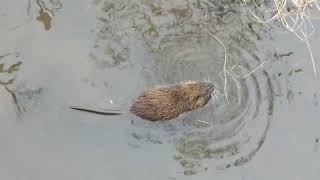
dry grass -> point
(228, 71)
(225, 71)
(295, 16)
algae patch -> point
(46, 12)
(44, 17)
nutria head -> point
(168, 102)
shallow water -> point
(103, 53)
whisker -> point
(205, 122)
(215, 95)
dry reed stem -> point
(224, 64)
(228, 71)
(294, 15)
(298, 18)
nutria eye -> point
(200, 100)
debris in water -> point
(44, 17)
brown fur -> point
(165, 102)
(168, 102)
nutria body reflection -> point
(167, 102)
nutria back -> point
(168, 102)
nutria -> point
(167, 102)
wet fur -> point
(168, 102)
(165, 102)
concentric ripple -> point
(231, 133)
(222, 134)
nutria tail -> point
(101, 112)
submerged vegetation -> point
(46, 11)
(10, 70)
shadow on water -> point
(175, 36)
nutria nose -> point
(209, 86)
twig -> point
(224, 65)
(14, 97)
(299, 17)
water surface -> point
(61, 53)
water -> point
(61, 53)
